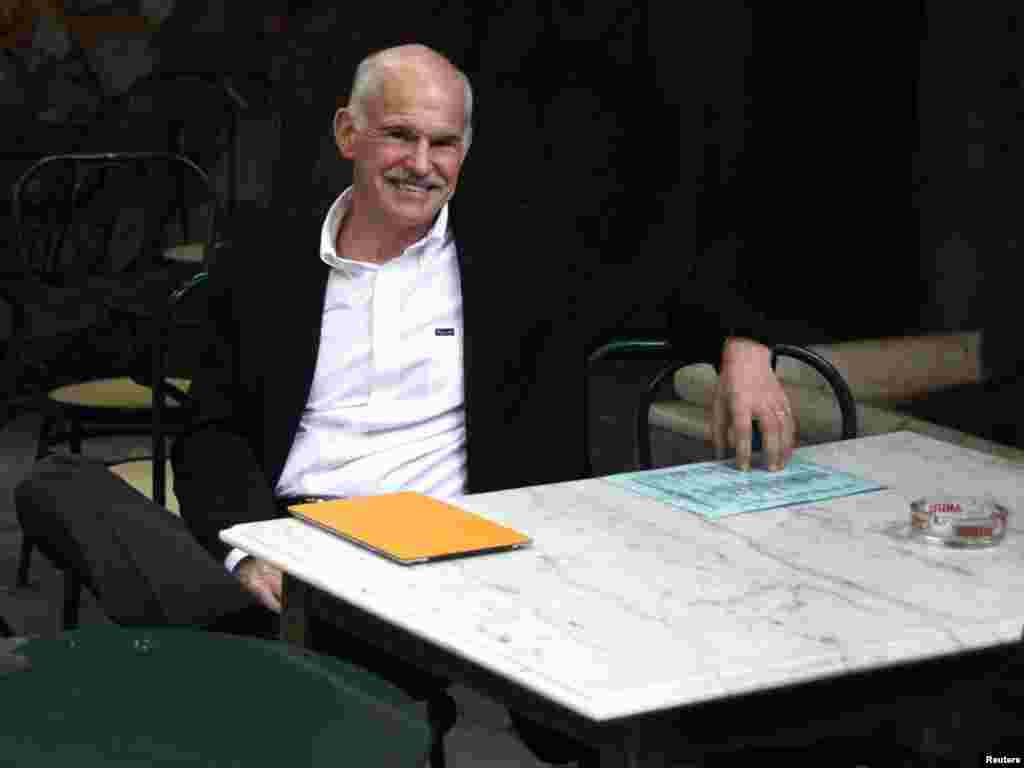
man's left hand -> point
(748, 389)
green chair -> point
(110, 696)
(630, 348)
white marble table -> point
(624, 606)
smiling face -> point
(406, 142)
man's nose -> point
(420, 158)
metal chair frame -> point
(651, 348)
(45, 268)
(74, 193)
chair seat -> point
(138, 473)
(117, 393)
(110, 696)
(188, 253)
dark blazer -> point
(530, 232)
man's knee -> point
(64, 493)
(61, 478)
(45, 482)
(59, 470)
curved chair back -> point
(847, 406)
(660, 349)
(69, 209)
(840, 388)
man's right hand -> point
(261, 579)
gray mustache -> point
(426, 182)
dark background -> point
(854, 164)
(851, 167)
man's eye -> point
(401, 135)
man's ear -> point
(344, 131)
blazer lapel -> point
(292, 353)
(470, 315)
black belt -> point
(283, 502)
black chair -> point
(93, 232)
(662, 349)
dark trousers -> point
(139, 560)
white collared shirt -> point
(385, 410)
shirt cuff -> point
(235, 556)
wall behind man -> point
(877, 162)
(971, 160)
(844, 163)
(807, 162)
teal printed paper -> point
(715, 489)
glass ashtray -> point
(959, 521)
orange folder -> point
(409, 527)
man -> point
(410, 360)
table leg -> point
(295, 603)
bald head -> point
(409, 63)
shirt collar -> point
(430, 243)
